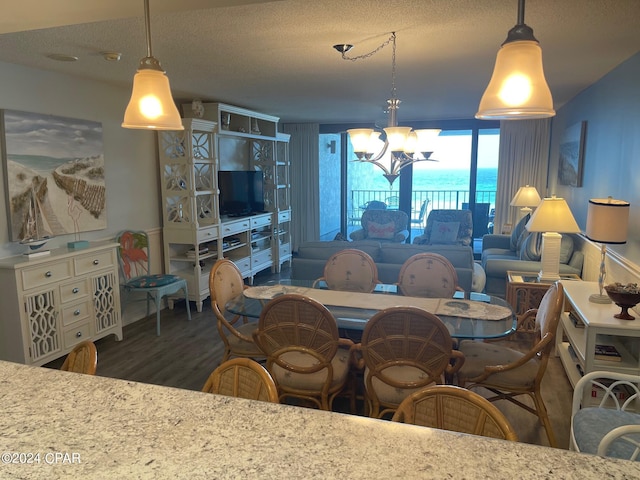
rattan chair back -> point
(457, 409)
(351, 270)
(300, 339)
(403, 337)
(225, 283)
(428, 275)
(82, 359)
(244, 378)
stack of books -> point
(607, 352)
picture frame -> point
(54, 175)
(571, 155)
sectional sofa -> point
(308, 263)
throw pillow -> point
(384, 231)
(516, 234)
(531, 248)
(445, 233)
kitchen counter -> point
(76, 426)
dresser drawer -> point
(230, 228)
(243, 264)
(45, 274)
(93, 262)
(208, 234)
(261, 258)
(73, 291)
(261, 221)
(76, 312)
(284, 216)
(285, 249)
(76, 334)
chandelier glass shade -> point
(402, 145)
(151, 105)
(518, 89)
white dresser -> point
(48, 304)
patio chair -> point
(447, 227)
(419, 220)
(382, 226)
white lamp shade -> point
(427, 139)
(360, 138)
(517, 89)
(526, 196)
(151, 105)
(553, 215)
(411, 145)
(607, 220)
(397, 137)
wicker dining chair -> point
(225, 283)
(244, 378)
(82, 359)
(457, 409)
(509, 373)
(305, 355)
(428, 275)
(350, 270)
(404, 349)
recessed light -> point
(111, 56)
(61, 57)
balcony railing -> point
(437, 199)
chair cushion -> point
(590, 425)
(479, 354)
(378, 230)
(392, 395)
(151, 281)
(445, 233)
(239, 346)
(312, 381)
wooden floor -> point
(186, 353)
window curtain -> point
(523, 160)
(304, 178)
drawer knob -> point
(75, 290)
(96, 262)
(76, 313)
(48, 274)
(78, 334)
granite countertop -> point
(94, 427)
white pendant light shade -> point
(151, 105)
(517, 87)
(397, 137)
(360, 138)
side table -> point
(525, 291)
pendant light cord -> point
(147, 26)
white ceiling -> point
(277, 56)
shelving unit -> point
(195, 235)
(189, 176)
(576, 345)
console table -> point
(53, 302)
(584, 324)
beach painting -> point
(572, 155)
(54, 175)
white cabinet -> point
(575, 345)
(53, 302)
(189, 187)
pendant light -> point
(151, 105)
(517, 89)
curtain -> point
(523, 160)
(304, 178)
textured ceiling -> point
(277, 56)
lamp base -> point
(547, 277)
(598, 298)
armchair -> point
(453, 227)
(382, 226)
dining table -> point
(466, 316)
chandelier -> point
(402, 146)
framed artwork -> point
(572, 155)
(54, 175)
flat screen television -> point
(241, 192)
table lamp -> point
(526, 197)
(607, 222)
(552, 217)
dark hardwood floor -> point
(187, 352)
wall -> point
(130, 155)
(611, 108)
